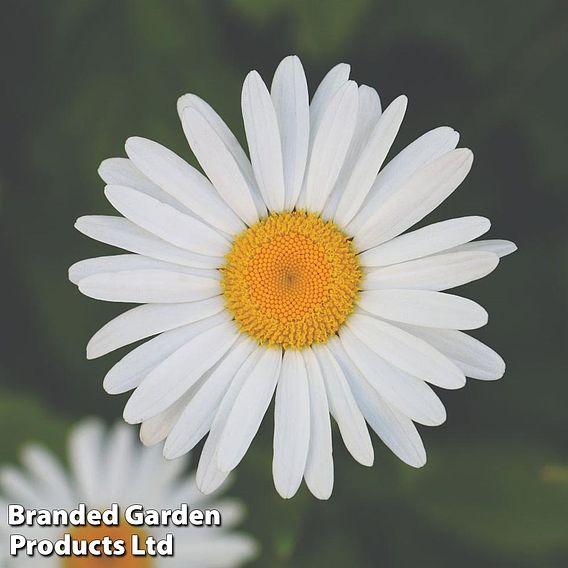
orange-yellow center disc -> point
(122, 532)
(291, 279)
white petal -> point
(406, 352)
(157, 428)
(319, 464)
(336, 77)
(48, 473)
(171, 378)
(183, 182)
(122, 233)
(344, 409)
(209, 477)
(147, 320)
(410, 395)
(228, 139)
(419, 195)
(426, 241)
(85, 459)
(496, 246)
(148, 286)
(473, 357)
(219, 163)
(393, 176)
(197, 416)
(425, 308)
(368, 113)
(249, 408)
(224, 550)
(166, 222)
(291, 425)
(289, 94)
(331, 141)
(263, 136)
(370, 160)
(17, 487)
(394, 428)
(119, 461)
(122, 171)
(437, 272)
(133, 367)
(122, 262)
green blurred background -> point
(80, 76)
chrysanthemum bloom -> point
(290, 273)
(115, 468)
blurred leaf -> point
(324, 27)
(23, 420)
(495, 496)
(259, 11)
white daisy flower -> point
(289, 273)
(115, 468)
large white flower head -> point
(290, 273)
(113, 467)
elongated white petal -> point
(370, 160)
(85, 459)
(291, 425)
(425, 308)
(335, 78)
(330, 144)
(263, 136)
(183, 182)
(394, 428)
(119, 460)
(220, 165)
(319, 463)
(48, 474)
(428, 240)
(473, 357)
(420, 195)
(148, 286)
(198, 414)
(178, 372)
(496, 246)
(344, 409)
(209, 477)
(19, 488)
(406, 351)
(437, 272)
(224, 550)
(249, 408)
(289, 94)
(133, 367)
(122, 233)
(156, 428)
(122, 171)
(392, 177)
(147, 320)
(368, 113)
(166, 222)
(410, 395)
(228, 139)
(121, 262)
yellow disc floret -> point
(291, 279)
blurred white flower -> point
(106, 468)
(290, 274)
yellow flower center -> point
(291, 279)
(122, 532)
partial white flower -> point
(106, 468)
(292, 275)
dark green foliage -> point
(80, 76)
